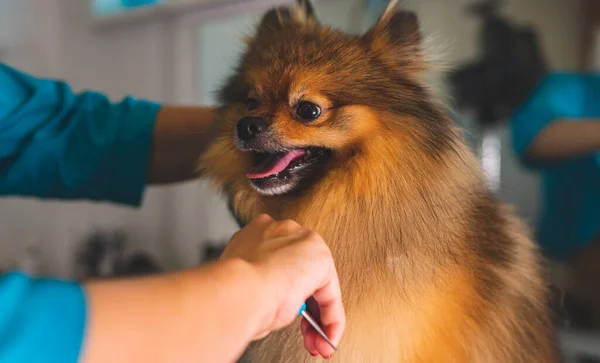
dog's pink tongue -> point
(276, 167)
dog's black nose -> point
(249, 127)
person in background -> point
(557, 133)
(58, 144)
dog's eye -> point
(252, 104)
(308, 111)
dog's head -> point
(306, 99)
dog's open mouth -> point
(282, 172)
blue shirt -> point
(55, 143)
(570, 217)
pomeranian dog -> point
(339, 133)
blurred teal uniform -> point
(58, 144)
(570, 217)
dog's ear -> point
(397, 37)
(304, 12)
(301, 14)
(275, 18)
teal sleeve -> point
(40, 320)
(556, 96)
(58, 144)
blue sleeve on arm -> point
(557, 96)
(40, 320)
(55, 143)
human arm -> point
(565, 139)
(181, 134)
(299, 266)
(211, 314)
(553, 124)
(56, 143)
(203, 315)
(207, 315)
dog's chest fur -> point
(417, 288)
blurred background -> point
(180, 51)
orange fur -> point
(432, 268)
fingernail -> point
(331, 355)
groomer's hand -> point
(295, 264)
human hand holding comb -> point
(295, 265)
